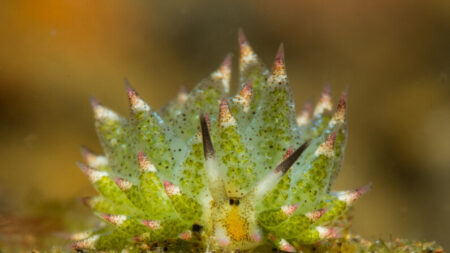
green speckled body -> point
(252, 173)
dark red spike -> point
(208, 149)
(287, 163)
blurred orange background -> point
(393, 56)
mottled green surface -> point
(166, 194)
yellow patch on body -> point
(235, 225)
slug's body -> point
(214, 172)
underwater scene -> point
(199, 126)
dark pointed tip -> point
(202, 118)
(288, 152)
(241, 36)
(208, 149)
(292, 158)
(206, 116)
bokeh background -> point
(393, 56)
